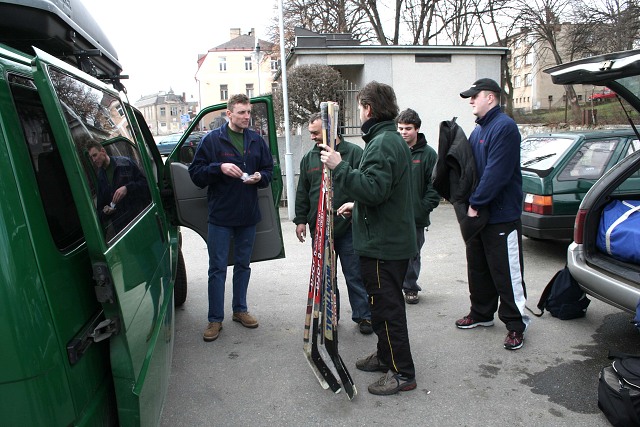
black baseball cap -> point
(480, 85)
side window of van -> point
(55, 192)
(111, 158)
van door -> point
(191, 201)
(125, 229)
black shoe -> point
(371, 363)
(411, 297)
(365, 327)
(392, 383)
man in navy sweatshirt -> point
(494, 255)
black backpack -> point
(619, 390)
(563, 297)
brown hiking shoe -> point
(247, 320)
(212, 331)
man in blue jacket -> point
(494, 255)
(232, 161)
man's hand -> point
(253, 179)
(231, 170)
(301, 232)
(119, 194)
(345, 210)
(329, 156)
(472, 212)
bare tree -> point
(308, 86)
(323, 16)
(543, 20)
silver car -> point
(604, 276)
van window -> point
(111, 158)
(55, 192)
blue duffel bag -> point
(619, 230)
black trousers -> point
(383, 281)
(495, 271)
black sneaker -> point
(371, 363)
(411, 297)
(514, 340)
(391, 383)
(468, 322)
(365, 327)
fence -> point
(349, 106)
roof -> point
(243, 42)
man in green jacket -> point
(307, 195)
(425, 199)
(384, 232)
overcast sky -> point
(158, 42)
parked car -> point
(600, 274)
(557, 171)
(602, 95)
(167, 143)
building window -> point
(274, 87)
(517, 63)
(224, 92)
(222, 60)
(517, 81)
(432, 58)
(248, 64)
(274, 64)
(528, 79)
(250, 90)
(174, 111)
(529, 59)
(163, 111)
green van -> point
(87, 296)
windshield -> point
(542, 152)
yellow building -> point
(244, 64)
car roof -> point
(587, 133)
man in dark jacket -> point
(384, 233)
(306, 208)
(232, 161)
(494, 255)
(122, 190)
(426, 198)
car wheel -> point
(180, 286)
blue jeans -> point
(350, 264)
(413, 269)
(218, 240)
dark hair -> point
(94, 144)
(381, 98)
(409, 117)
(240, 98)
(315, 116)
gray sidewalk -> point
(465, 378)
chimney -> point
(184, 97)
(235, 32)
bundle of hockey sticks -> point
(321, 326)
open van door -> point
(128, 243)
(191, 201)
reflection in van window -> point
(106, 145)
(55, 192)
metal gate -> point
(350, 123)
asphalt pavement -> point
(260, 377)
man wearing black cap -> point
(494, 256)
